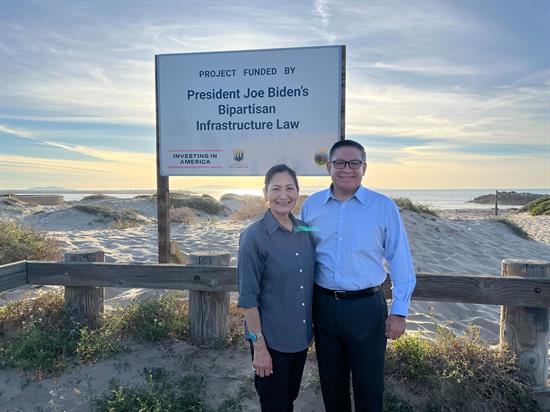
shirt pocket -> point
(368, 239)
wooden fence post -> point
(525, 330)
(85, 302)
(209, 311)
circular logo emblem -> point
(321, 158)
(238, 155)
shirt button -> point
(304, 321)
(340, 239)
(296, 253)
(303, 304)
(302, 286)
(301, 270)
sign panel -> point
(241, 112)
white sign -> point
(239, 113)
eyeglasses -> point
(341, 164)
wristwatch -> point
(253, 337)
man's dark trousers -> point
(350, 335)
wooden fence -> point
(522, 288)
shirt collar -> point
(360, 194)
(273, 224)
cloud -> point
(434, 80)
(99, 154)
(425, 67)
(500, 115)
(15, 131)
(321, 8)
(129, 171)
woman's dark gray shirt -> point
(275, 274)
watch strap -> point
(253, 337)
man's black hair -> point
(348, 143)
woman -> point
(275, 279)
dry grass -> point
(236, 326)
(182, 215)
(203, 203)
(40, 335)
(255, 207)
(514, 227)
(405, 203)
(20, 243)
(45, 306)
(299, 204)
(121, 219)
(13, 201)
(460, 373)
(97, 196)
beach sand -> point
(457, 241)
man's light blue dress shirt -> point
(354, 237)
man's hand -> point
(262, 360)
(395, 326)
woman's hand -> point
(262, 360)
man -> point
(355, 230)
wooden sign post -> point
(163, 195)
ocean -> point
(435, 198)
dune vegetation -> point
(97, 196)
(408, 204)
(450, 372)
(540, 206)
(203, 203)
(39, 334)
(20, 243)
(514, 227)
(121, 219)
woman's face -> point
(281, 194)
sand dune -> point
(466, 241)
(457, 242)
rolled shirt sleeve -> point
(249, 270)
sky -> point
(443, 94)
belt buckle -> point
(336, 292)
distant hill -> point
(48, 188)
(507, 198)
(62, 190)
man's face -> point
(346, 180)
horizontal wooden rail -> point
(13, 275)
(131, 275)
(483, 289)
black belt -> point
(348, 294)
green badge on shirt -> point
(305, 228)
